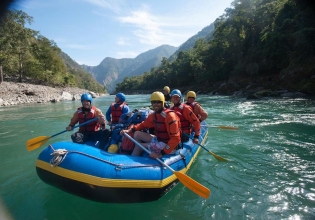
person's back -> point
(196, 107)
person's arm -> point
(173, 130)
(101, 118)
(73, 121)
(108, 113)
(192, 118)
(147, 123)
(125, 109)
(200, 111)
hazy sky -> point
(90, 30)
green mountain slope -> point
(82, 77)
(111, 71)
(206, 33)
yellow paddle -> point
(221, 127)
(213, 154)
(39, 141)
(186, 180)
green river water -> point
(270, 173)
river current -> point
(270, 173)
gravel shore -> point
(12, 93)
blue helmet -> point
(176, 92)
(87, 96)
(121, 97)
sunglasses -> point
(156, 102)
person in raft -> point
(166, 125)
(116, 109)
(167, 96)
(195, 106)
(187, 117)
(90, 131)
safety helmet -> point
(158, 96)
(176, 92)
(167, 89)
(121, 97)
(191, 94)
(113, 148)
(86, 96)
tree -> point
(15, 39)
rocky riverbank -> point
(12, 93)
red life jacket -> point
(127, 145)
(116, 112)
(160, 127)
(192, 105)
(185, 124)
(93, 126)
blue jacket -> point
(125, 109)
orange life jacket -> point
(160, 127)
(117, 112)
(185, 124)
(93, 126)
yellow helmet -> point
(113, 148)
(167, 89)
(158, 96)
(191, 94)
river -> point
(270, 173)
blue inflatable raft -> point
(100, 176)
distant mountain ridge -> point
(206, 32)
(111, 70)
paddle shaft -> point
(213, 154)
(76, 126)
(146, 150)
(221, 127)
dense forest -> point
(255, 42)
(26, 53)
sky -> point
(91, 30)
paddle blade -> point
(36, 142)
(225, 127)
(193, 185)
(218, 157)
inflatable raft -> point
(100, 176)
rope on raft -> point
(60, 155)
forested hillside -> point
(267, 43)
(25, 52)
(206, 33)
